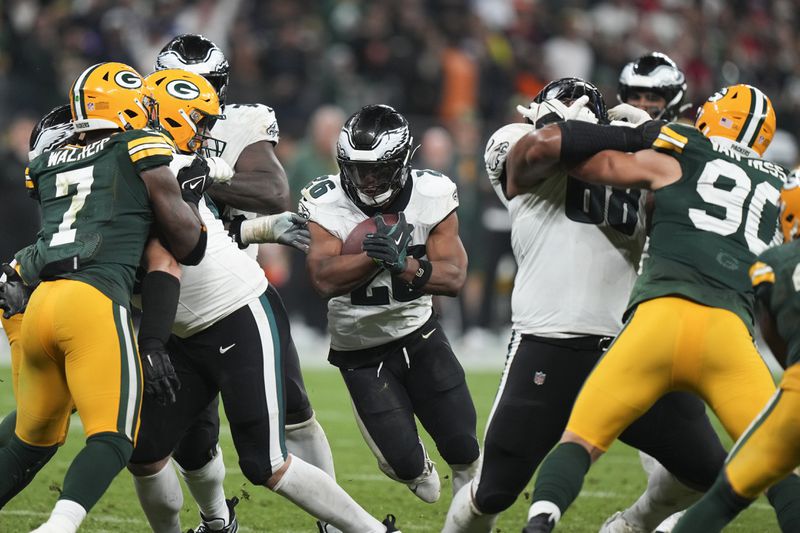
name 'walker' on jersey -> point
(385, 308)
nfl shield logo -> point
(538, 378)
(90, 106)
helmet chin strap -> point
(375, 201)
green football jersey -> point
(780, 268)
(96, 213)
(709, 226)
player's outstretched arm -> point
(535, 157)
(331, 273)
(445, 271)
(646, 169)
(259, 184)
(178, 222)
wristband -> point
(422, 274)
(580, 140)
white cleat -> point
(616, 523)
(669, 524)
(426, 486)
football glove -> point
(160, 380)
(541, 114)
(14, 294)
(628, 113)
(388, 246)
(193, 180)
(285, 228)
(219, 170)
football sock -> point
(161, 498)
(19, 463)
(205, 484)
(664, 496)
(317, 493)
(561, 476)
(714, 511)
(7, 426)
(307, 440)
(95, 467)
(65, 518)
(463, 474)
(464, 517)
(785, 499)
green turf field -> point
(615, 481)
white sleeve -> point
(497, 149)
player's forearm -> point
(260, 192)
(180, 225)
(334, 276)
(446, 277)
(534, 158)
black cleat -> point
(389, 523)
(206, 523)
(541, 523)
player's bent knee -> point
(300, 419)
(194, 456)
(494, 501)
(258, 469)
(116, 442)
(147, 469)
(460, 449)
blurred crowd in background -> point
(455, 68)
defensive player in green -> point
(99, 199)
(689, 319)
(770, 448)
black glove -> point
(14, 294)
(160, 380)
(194, 181)
(388, 246)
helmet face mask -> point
(373, 152)
(567, 90)
(188, 109)
(199, 55)
(655, 73)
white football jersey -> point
(382, 310)
(244, 124)
(226, 279)
(577, 247)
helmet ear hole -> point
(701, 126)
(172, 122)
(131, 113)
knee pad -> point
(117, 442)
(492, 500)
(191, 455)
(257, 458)
(460, 449)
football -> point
(352, 245)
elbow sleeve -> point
(580, 140)
(196, 255)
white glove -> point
(577, 110)
(628, 113)
(180, 161)
(219, 170)
(284, 228)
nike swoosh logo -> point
(397, 242)
(426, 335)
(223, 350)
(194, 185)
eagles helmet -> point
(740, 113)
(654, 72)
(374, 150)
(51, 132)
(110, 96)
(188, 107)
(195, 53)
(567, 90)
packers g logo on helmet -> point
(739, 113)
(183, 89)
(110, 96)
(128, 79)
(188, 108)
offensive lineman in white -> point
(258, 183)
(577, 248)
(234, 347)
(385, 339)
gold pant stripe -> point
(671, 344)
(770, 449)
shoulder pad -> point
(760, 273)
(500, 144)
(258, 117)
(672, 138)
(437, 195)
(323, 195)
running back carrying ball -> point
(352, 245)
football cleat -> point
(669, 523)
(616, 523)
(217, 525)
(389, 522)
(426, 486)
(541, 523)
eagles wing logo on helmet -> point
(719, 95)
(183, 89)
(195, 53)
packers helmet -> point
(790, 206)
(188, 107)
(740, 113)
(110, 96)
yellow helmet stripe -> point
(78, 103)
